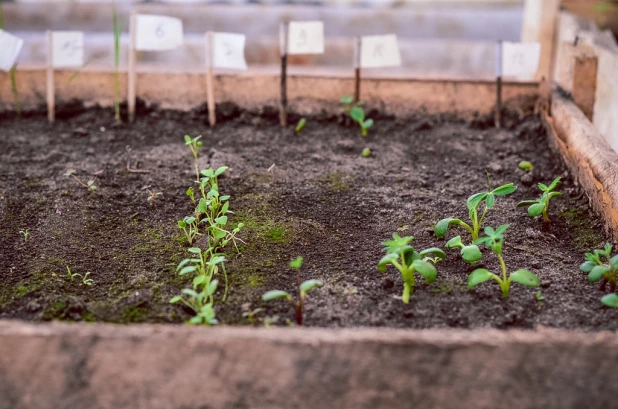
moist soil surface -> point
(322, 200)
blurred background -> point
(438, 38)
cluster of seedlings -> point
(599, 265)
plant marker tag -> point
(379, 51)
(223, 50)
(67, 49)
(229, 51)
(283, 52)
(149, 32)
(305, 37)
(157, 33)
(10, 46)
(520, 60)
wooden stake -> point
(357, 63)
(212, 117)
(283, 50)
(51, 109)
(498, 113)
(132, 61)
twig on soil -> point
(131, 170)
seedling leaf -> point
(309, 285)
(478, 276)
(296, 263)
(525, 277)
(610, 300)
(275, 294)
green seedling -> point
(526, 166)
(191, 193)
(358, 114)
(303, 290)
(200, 298)
(270, 320)
(251, 315)
(300, 125)
(348, 103)
(541, 206)
(25, 233)
(601, 265)
(189, 227)
(494, 240)
(85, 280)
(471, 252)
(539, 297)
(117, 31)
(152, 196)
(366, 153)
(194, 144)
(88, 185)
(408, 261)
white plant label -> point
(380, 51)
(157, 33)
(306, 37)
(520, 60)
(229, 51)
(10, 46)
(67, 49)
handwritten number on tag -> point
(70, 48)
(228, 49)
(378, 51)
(160, 32)
(302, 38)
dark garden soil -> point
(323, 201)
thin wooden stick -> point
(283, 50)
(498, 113)
(357, 63)
(51, 109)
(212, 117)
(132, 62)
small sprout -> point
(25, 233)
(541, 206)
(526, 166)
(251, 315)
(270, 320)
(300, 125)
(88, 185)
(152, 196)
(473, 203)
(408, 261)
(191, 193)
(85, 280)
(303, 290)
(358, 114)
(194, 144)
(539, 298)
(494, 240)
(366, 153)
(601, 265)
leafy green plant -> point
(153, 196)
(610, 300)
(541, 205)
(191, 193)
(189, 227)
(494, 240)
(85, 280)
(358, 114)
(200, 298)
(300, 125)
(408, 261)
(303, 290)
(194, 144)
(88, 185)
(601, 265)
(526, 166)
(25, 233)
(470, 252)
(117, 31)
(348, 103)
(366, 153)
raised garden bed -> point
(326, 203)
(323, 201)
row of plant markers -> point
(599, 265)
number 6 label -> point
(157, 33)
